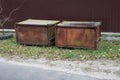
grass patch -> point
(106, 50)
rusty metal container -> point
(75, 34)
(36, 32)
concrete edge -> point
(8, 30)
(109, 33)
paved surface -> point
(10, 71)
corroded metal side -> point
(81, 37)
(61, 36)
(98, 34)
(32, 35)
(77, 37)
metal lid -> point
(38, 22)
(79, 24)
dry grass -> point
(107, 50)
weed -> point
(106, 50)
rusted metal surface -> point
(82, 35)
(36, 32)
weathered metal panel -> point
(77, 36)
(61, 36)
(32, 35)
(81, 37)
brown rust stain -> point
(90, 38)
(32, 35)
(76, 37)
(61, 37)
(80, 37)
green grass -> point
(106, 50)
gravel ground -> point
(102, 69)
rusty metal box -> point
(76, 34)
(36, 32)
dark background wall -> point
(106, 11)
